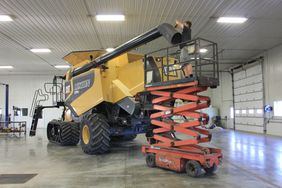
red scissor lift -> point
(166, 150)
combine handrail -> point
(36, 102)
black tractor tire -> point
(63, 133)
(151, 160)
(193, 168)
(211, 170)
(53, 131)
(69, 133)
(95, 134)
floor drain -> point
(15, 178)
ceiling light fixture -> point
(194, 58)
(6, 67)
(105, 18)
(110, 49)
(203, 50)
(62, 66)
(5, 18)
(40, 50)
(235, 20)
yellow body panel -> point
(123, 77)
(90, 98)
(75, 58)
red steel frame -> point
(171, 152)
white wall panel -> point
(273, 85)
(274, 128)
(222, 99)
(22, 89)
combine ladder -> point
(36, 109)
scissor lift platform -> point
(165, 149)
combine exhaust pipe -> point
(166, 30)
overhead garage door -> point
(249, 99)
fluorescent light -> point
(62, 66)
(110, 49)
(117, 17)
(6, 67)
(232, 19)
(40, 50)
(5, 18)
(203, 50)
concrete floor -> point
(250, 161)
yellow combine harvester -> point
(99, 95)
(103, 94)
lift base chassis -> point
(175, 159)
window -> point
(149, 76)
(251, 111)
(259, 111)
(237, 111)
(277, 108)
(244, 111)
(231, 112)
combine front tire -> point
(69, 134)
(95, 134)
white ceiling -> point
(67, 25)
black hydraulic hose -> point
(165, 30)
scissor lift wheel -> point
(151, 160)
(193, 168)
(211, 170)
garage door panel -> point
(253, 70)
(249, 104)
(249, 128)
(250, 121)
(249, 99)
(248, 89)
(248, 81)
(239, 75)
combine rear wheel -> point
(63, 133)
(95, 134)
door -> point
(249, 99)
